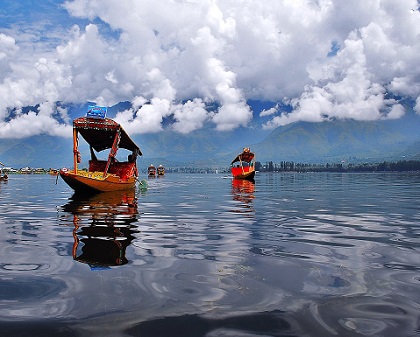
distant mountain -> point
(204, 147)
(304, 142)
(338, 140)
(37, 151)
(200, 144)
(412, 151)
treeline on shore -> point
(386, 166)
(284, 166)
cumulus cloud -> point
(375, 60)
(190, 116)
(147, 118)
(42, 121)
(417, 106)
(8, 49)
(270, 111)
(326, 59)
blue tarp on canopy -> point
(96, 111)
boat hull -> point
(151, 171)
(246, 172)
(85, 181)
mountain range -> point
(303, 142)
(338, 140)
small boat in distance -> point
(3, 176)
(151, 171)
(102, 133)
(161, 170)
(53, 172)
(243, 166)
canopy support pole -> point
(75, 150)
(113, 151)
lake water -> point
(202, 255)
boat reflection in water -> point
(243, 191)
(104, 225)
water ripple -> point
(301, 254)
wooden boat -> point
(161, 170)
(101, 134)
(25, 170)
(151, 171)
(53, 172)
(243, 166)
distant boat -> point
(101, 134)
(151, 171)
(53, 172)
(161, 170)
(3, 176)
(243, 166)
(25, 170)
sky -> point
(313, 60)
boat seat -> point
(97, 165)
(122, 169)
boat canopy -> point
(100, 134)
(245, 156)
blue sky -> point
(321, 59)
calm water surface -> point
(203, 255)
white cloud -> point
(8, 49)
(270, 111)
(111, 77)
(37, 122)
(233, 111)
(417, 106)
(375, 59)
(162, 53)
(190, 116)
(146, 119)
(396, 111)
